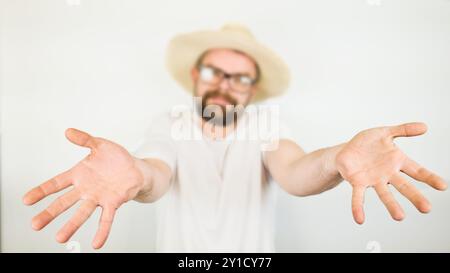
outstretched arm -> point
(108, 177)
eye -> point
(206, 73)
(245, 80)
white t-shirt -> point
(221, 198)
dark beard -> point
(219, 115)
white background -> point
(98, 65)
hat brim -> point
(185, 49)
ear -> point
(194, 74)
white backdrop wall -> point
(98, 65)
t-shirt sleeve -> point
(276, 133)
(157, 142)
(282, 132)
(285, 132)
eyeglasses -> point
(238, 82)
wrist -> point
(330, 161)
(146, 181)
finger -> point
(411, 192)
(51, 186)
(389, 202)
(81, 138)
(58, 206)
(407, 129)
(83, 213)
(419, 173)
(358, 204)
(104, 228)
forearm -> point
(304, 174)
(156, 177)
(313, 173)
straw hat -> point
(185, 49)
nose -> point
(224, 85)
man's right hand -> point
(108, 177)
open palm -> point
(371, 159)
(107, 177)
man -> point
(217, 189)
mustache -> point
(217, 94)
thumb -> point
(408, 129)
(80, 138)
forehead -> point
(230, 61)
